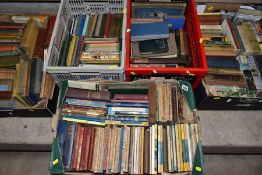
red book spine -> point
(76, 145)
(79, 154)
(108, 21)
(88, 136)
(83, 154)
(5, 95)
(7, 48)
(91, 149)
(130, 97)
(50, 29)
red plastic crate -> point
(198, 67)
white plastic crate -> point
(67, 9)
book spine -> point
(69, 143)
(130, 97)
(75, 150)
(115, 104)
(107, 29)
(85, 103)
(127, 109)
(84, 155)
(80, 150)
(91, 151)
(61, 134)
(174, 148)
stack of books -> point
(10, 37)
(22, 43)
(119, 104)
(93, 39)
(157, 35)
(119, 144)
(232, 48)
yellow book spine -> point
(178, 148)
(71, 51)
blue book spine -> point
(129, 118)
(141, 32)
(221, 62)
(69, 143)
(85, 103)
(61, 134)
(120, 149)
(82, 24)
(78, 49)
(177, 23)
(121, 104)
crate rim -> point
(199, 71)
(87, 68)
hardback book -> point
(157, 9)
(217, 62)
(36, 79)
(88, 94)
(140, 32)
(68, 145)
(157, 48)
(249, 39)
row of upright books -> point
(233, 46)
(128, 149)
(93, 39)
(23, 84)
(123, 127)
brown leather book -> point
(50, 29)
(39, 45)
(85, 94)
(79, 154)
(75, 150)
(152, 103)
(146, 152)
(93, 137)
(130, 97)
(210, 19)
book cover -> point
(85, 94)
(140, 32)
(107, 26)
(61, 134)
(76, 147)
(68, 147)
